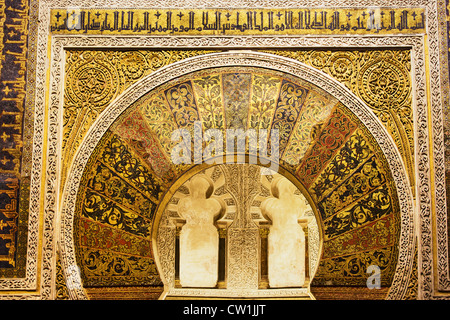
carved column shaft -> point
(243, 234)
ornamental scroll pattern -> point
(381, 78)
(339, 163)
(120, 193)
(95, 78)
(43, 50)
(347, 177)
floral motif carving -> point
(381, 78)
(372, 128)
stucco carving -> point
(422, 122)
(266, 61)
(242, 233)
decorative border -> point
(239, 58)
(438, 148)
(423, 139)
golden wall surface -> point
(60, 78)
